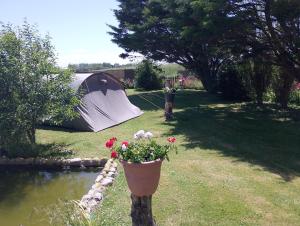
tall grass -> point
(68, 213)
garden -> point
(232, 167)
(205, 130)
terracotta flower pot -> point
(142, 178)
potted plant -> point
(141, 160)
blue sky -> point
(77, 27)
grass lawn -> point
(237, 165)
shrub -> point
(282, 84)
(192, 82)
(231, 85)
(37, 150)
(128, 83)
(270, 96)
(31, 86)
(294, 97)
(147, 76)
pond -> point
(24, 194)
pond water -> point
(24, 194)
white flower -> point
(139, 134)
(124, 147)
(148, 135)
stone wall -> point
(92, 199)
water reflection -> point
(22, 191)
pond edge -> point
(93, 198)
(53, 162)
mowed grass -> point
(237, 164)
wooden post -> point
(168, 111)
(141, 211)
(169, 100)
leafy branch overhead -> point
(183, 32)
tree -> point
(277, 29)
(190, 33)
(232, 85)
(32, 88)
(147, 76)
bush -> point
(26, 150)
(31, 86)
(270, 96)
(231, 85)
(294, 97)
(128, 83)
(147, 76)
(192, 82)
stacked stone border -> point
(93, 198)
(53, 163)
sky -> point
(78, 27)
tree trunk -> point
(287, 80)
(31, 135)
(208, 79)
(262, 73)
(141, 211)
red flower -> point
(113, 139)
(114, 155)
(109, 143)
(125, 143)
(171, 139)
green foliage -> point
(271, 30)
(188, 33)
(294, 97)
(203, 35)
(37, 150)
(231, 84)
(67, 213)
(147, 76)
(32, 88)
(261, 78)
(144, 151)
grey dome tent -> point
(104, 102)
